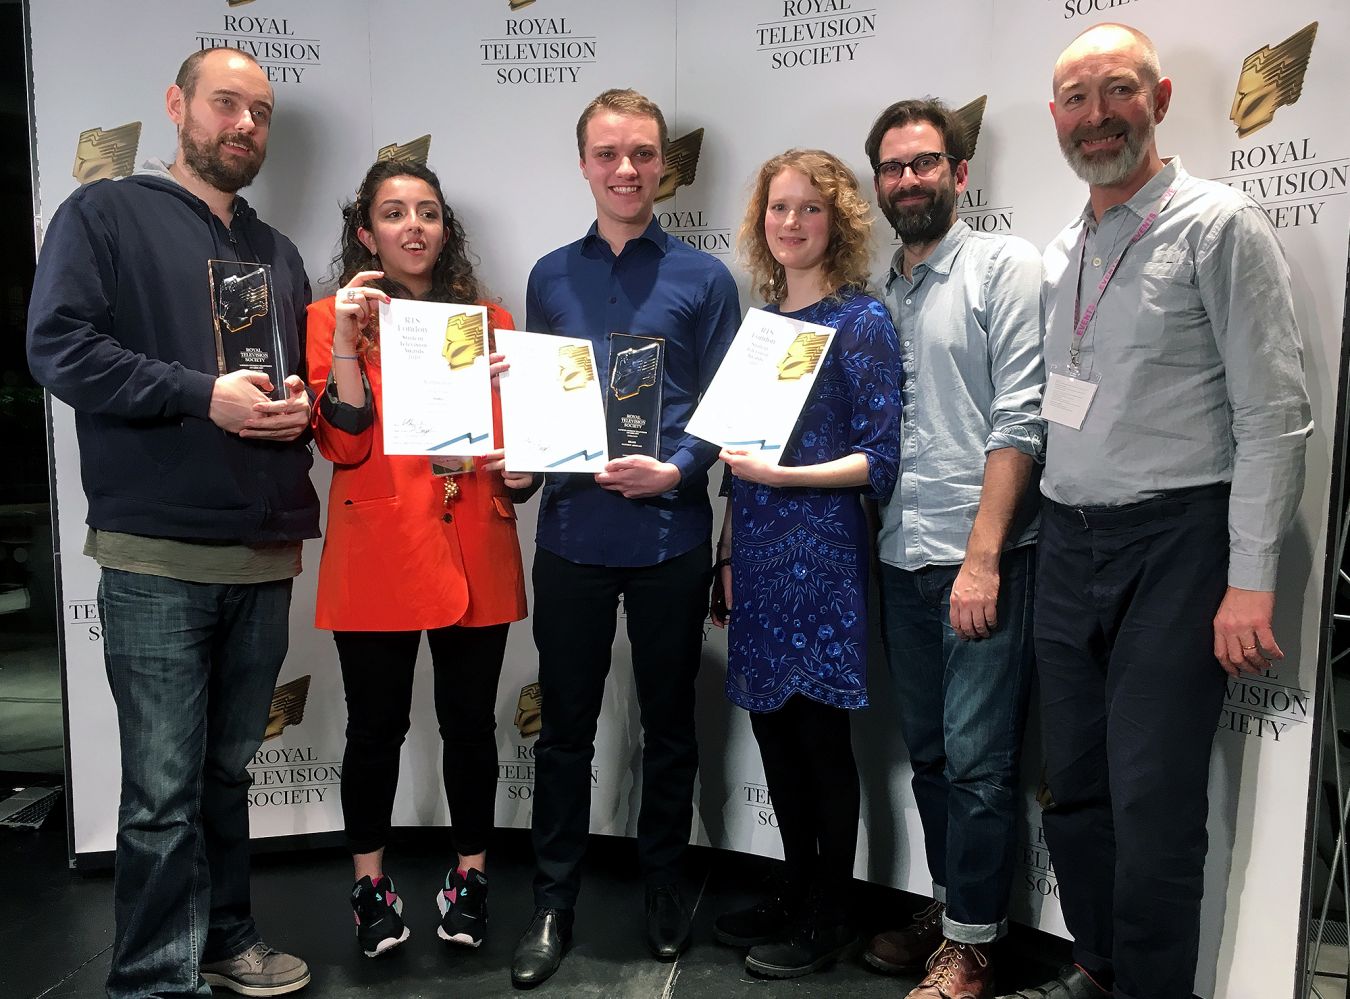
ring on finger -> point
(1248, 648)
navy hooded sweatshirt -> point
(120, 328)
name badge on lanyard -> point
(1068, 392)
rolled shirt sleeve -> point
(1244, 284)
(1016, 361)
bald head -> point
(1112, 41)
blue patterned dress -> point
(799, 556)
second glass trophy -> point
(243, 309)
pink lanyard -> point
(1082, 322)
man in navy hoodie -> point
(199, 499)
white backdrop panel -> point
(757, 76)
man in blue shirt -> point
(956, 541)
(640, 530)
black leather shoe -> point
(540, 948)
(667, 923)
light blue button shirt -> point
(969, 320)
(1199, 362)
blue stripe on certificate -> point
(584, 455)
(470, 437)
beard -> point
(925, 223)
(224, 172)
(1108, 169)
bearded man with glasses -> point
(956, 539)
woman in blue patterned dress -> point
(793, 556)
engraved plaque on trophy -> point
(633, 401)
(245, 318)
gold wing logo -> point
(517, 4)
(681, 164)
(414, 151)
(574, 367)
(102, 154)
(529, 719)
(802, 355)
(1270, 79)
(463, 340)
(236, 3)
(969, 118)
(288, 707)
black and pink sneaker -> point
(379, 916)
(463, 905)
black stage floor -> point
(56, 926)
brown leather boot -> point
(906, 949)
(957, 971)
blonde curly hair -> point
(847, 260)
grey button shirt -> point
(1199, 359)
(969, 322)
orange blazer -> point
(398, 556)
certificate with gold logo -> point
(437, 396)
(764, 381)
(553, 413)
(245, 318)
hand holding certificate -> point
(437, 388)
(758, 393)
(553, 416)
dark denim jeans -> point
(1130, 701)
(192, 667)
(963, 707)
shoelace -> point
(943, 964)
(929, 917)
(257, 953)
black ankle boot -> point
(764, 922)
(815, 940)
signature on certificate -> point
(413, 425)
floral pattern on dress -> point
(799, 556)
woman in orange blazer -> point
(408, 551)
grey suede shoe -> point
(258, 971)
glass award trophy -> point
(247, 334)
(633, 402)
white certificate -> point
(437, 388)
(759, 391)
(553, 411)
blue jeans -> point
(192, 667)
(963, 707)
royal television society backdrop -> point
(1258, 104)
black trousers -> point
(813, 781)
(1131, 695)
(377, 678)
(575, 617)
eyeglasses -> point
(923, 165)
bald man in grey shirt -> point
(1178, 420)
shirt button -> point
(909, 301)
(1096, 262)
(906, 343)
(612, 301)
(448, 517)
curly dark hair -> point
(452, 278)
(847, 257)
